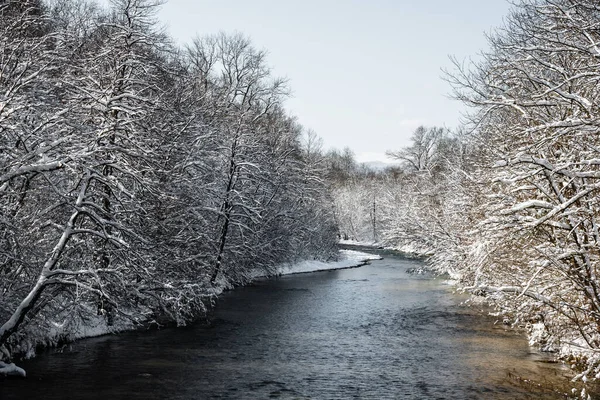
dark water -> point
(374, 332)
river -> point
(375, 332)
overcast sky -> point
(364, 73)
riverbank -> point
(97, 325)
(348, 259)
(11, 370)
(376, 332)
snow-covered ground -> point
(348, 259)
(407, 250)
(11, 370)
(358, 243)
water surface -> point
(375, 332)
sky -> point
(363, 73)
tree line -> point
(509, 203)
(139, 178)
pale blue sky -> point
(364, 74)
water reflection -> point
(372, 333)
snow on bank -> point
(348, 259)
(11, 370)
(408, 250)
(97, 325)
(358, 243)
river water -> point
(375, 332)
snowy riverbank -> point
(359, 243)
(348, 259)
(11, 370)
(97, 325)
(409, 250)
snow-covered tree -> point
(33, 142)
(423, 154)
(535, 97)
(88, 256)
(138, 179)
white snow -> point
(357, 243)
(348, 259)
(11, 370)
(537, 334)
(365, 243)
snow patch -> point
(451, 282)
(358, 243)
(11, 370)
(537, 334)
(348, 259)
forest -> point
(508, 204)
(139, 178)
